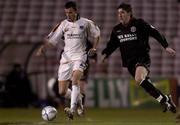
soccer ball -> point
(49, 113)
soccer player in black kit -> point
(131, 36)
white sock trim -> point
(167, 99)
(74, 96)
(141, 82)
(159, 98)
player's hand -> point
(92, 52)
(40, 51)
(103, 58)
(93, 59)
(170, 51)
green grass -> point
(32, 116)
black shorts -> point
(139, 61)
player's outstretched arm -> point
(103, 58)
(42, 49)
(170, 51)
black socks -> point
(83, 98)
(154, 92)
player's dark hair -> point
(125, 6)
(70, 4)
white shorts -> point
(66, 69)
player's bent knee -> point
(76, 76)
(138, 80)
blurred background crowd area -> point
(24, 24)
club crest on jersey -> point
(133, 29)
(81, 27)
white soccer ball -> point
(49, 113)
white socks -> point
(159, 98)
(74, 96)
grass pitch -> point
(32, 116)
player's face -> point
(70, 14)
(124, 16)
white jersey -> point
(75, 35)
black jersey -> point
(133, 40)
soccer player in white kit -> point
(75, 31)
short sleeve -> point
(93, 29)
(56, 34)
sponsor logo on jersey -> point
(127, 37)
(74, 36)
